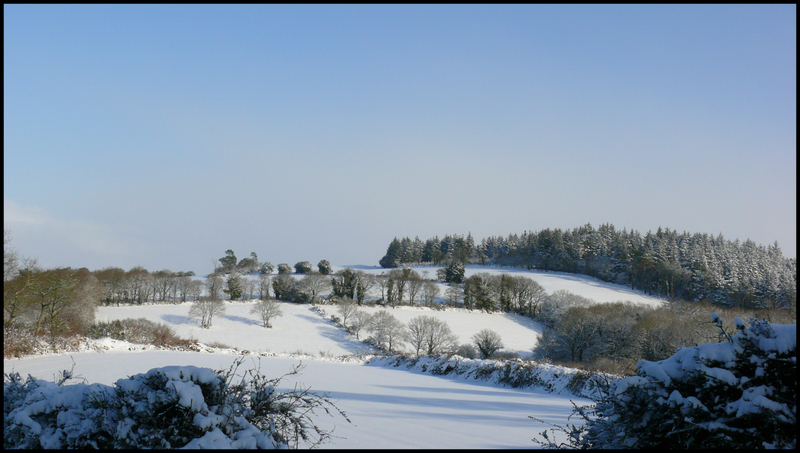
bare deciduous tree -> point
(347, 307)
(264, 281)
(205, 309)
(195, 289)
(429, 292)
(315, 284)
(488, 342)
(361, 320)
(382, 282)
(17, 291)
(266, 310)
(415, 284)
(454, 294)
(431, 335)
(214, 285)
(364, 282)
(388, 331)
(184, 283)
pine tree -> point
(235, 286)
(392, 257)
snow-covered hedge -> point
(169, 407)
(741, 393)
(517, 373)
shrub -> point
(467, 350)
(740, 393)
(139, 331)
(169, 407)
(111, 329)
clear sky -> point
(161, 135)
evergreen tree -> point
(235, 286)
(741, 393)
(228, 262)
(392, 257)
(324, 267)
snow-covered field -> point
(303, 330)
(300, 329)
(582, 285)
(389, 407)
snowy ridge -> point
(516, 373)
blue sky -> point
(161, 136)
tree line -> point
(666, 263)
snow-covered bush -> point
(741, 393)
(169, 407)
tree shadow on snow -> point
(243, 320)
(177, 319)
(327, 329)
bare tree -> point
(10, 257)
(266, 310)
(454, 294)
(138, 289)
(184, 284)
(264, 281)
(440, 340)
(249, 286)
(388, 331)
(52, 294)
(214, 285)
(205, 309)
(195, 289)
(382, 282)
(530, 294)
(488, 342)
(17, 292)
(78, 314)
(347, 307)
(429, 292)
(315, 284)
(415, 284)
(361, 320)
(431, 335)
(364, 282)
(399, 279)
(161, 284)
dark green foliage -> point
(303, 267)
(741, 393)
(344, 283)
(392, 257)
(324, 267)
(665, 263)
(234, 286)
(283, 286)
(454, 273)
(228, 262)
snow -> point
(519, 334)
(784, 339)
(582, 285)
(299, 329)
(390, 407)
